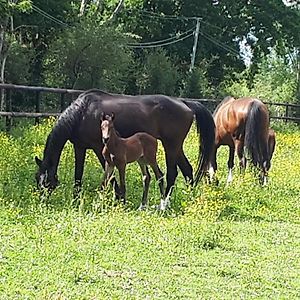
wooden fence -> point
(291, 111)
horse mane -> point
(225, 100)
(66, 124)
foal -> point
(118, 152)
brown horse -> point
(166, 118)
(243, 125)
(118, 152)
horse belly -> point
(134, 151)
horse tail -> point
(206, 130)
(271, 143)
(256, 134)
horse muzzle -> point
(105, 140)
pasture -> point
(216, 242)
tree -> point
(8, 9)
(223, 26)
(275, 81)
(196, 84)
(158, 75)
(87, 56)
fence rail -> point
(7, 89)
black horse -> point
(166, 118)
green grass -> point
(216, 242)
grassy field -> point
(216, 242)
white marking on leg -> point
(142, 207)
(165, 203)
(230, 177)
(211, 173)
(265, 180)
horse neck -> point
(114, 142)
(54, 146)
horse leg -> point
(160, 178)
(79, 167)
(109, 169)
(185, 167)
(146, 182)
(265, 163)
(114, 183)
(171, 154)
(121, 169)
(212, 167)
(239, 148)
(230, 164)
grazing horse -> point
(118, 152)
(243, 125)
(166, 118)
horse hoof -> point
(162, 206)
(142, 207)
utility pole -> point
(193, 55)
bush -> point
(18, 64)
(158, 74)
(89, 56)
(196, 84)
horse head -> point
(106, 126)
(46, 177)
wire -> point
(167, 17)
(225, 47)
(205, 35)
(163, 44)
(162, 41)
(48, 16)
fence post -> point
(8, 109)
(62, 102)
(286, 112)
(37, 105)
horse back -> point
(157, 115)
(141, 145)
(231, 117)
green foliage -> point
(237, 85)
(275, 81)
(217, 242)
(8, 7)
(18, 64)
(196, 83)
(88, 56)
(158, 75)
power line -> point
(167, 17)
(162, 44)
(205, 35)
(162, 41)
(221, 45)
(48, 16)
(173, 17)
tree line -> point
(138, 47)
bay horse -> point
(243, 125)
(166, 118)
(118, 152)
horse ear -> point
(102, 116)
(38, 161)
(112, 116)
